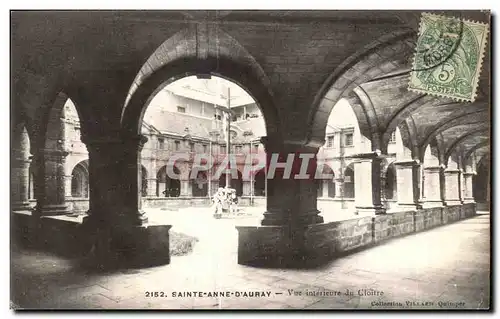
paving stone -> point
(430, 275)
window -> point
(256, 147)
(239, 149)
(329, 141)
(223, 148)
(191, 147)
(181, 109)
(393, 137)
(177, 145)
(204, 148)
(349, 139)
(161, 143)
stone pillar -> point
(114, 195)
(408, 190)
(367, 190)
(291, 228)
(339, 188)
(54, 201)
(20, 183)
(215, 187)
(468, 195)
(67, 180)
(452, 187)
(291, 201)
(432, 187)
(247, 188)
(151, 192)
(186, 189)
(324, 193)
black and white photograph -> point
(250, 160)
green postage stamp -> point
(448, 57)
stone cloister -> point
(295, 70)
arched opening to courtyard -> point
(168, 185)
(80, 180)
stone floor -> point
(444, 268)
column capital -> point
(115, 140)
(276, 144)
(469, 173)
(376, 155)
(54, 154)
(407, 163)
(452, 171)
(434, 168)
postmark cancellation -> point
(448, 57)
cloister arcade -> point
(442, 159)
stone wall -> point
(393, 225)
(428, 218)
(451, 213)
(78, 205)
(317, 244)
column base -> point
(21, 206)
(370, 211)
(51, 210)
(279, 247)
(129, 247)
(279, 219)
(453, 202)
(432, 204)
(469, 201)
(408, 207)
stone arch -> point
(460, 139)
(20, 167)
(390, 185)
(236, 183)
(406, 141)
(226, 58)
(349, 187)
(80, 180)
(477, 147)
(260, 183)
(327, 186)
(359, 68)
(449, 122)
(144, 181)
(168, 186)
(404, 113)
(199, 184)
(50, 156)
(481, 182)
(431, 157)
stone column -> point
(468, 195)
(215, 187)
(186, 190)
(291, 201)
(325, 189)
(20, 183)
(368, 190)
(291, 234)
(432, 187)
(54, 201)
(408, 190)
(247, 188)
(151, 192)
(67, 180)
(339, 188)
(114, 196)
(452, 187)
